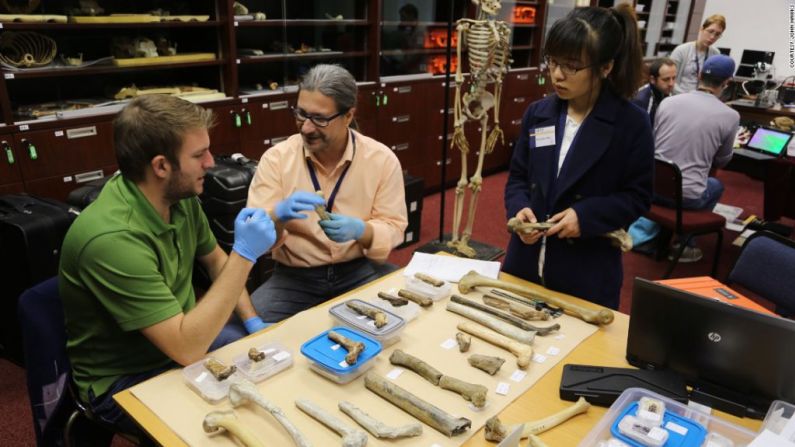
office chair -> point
(679, 222)
(766, 267)
(59, 418)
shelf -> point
(417, 51)
(301, 22)
(83, 26)
(315, 55)
(521, 47)
(59, 72)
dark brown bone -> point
(506, 317)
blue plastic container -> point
(328, 358)
(688, 433)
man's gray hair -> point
(332, 81)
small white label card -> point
(395, 373)
(544, 136)
(674, 427)
(503, 388)
(560, 337)
(450, 343)
(201, 377)
(344, 364)
(518, 375)
(553, 350)
(539, 358)
(335, 347)
(282, 355)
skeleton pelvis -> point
(477, 104)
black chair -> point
(679, 222)
(766, 267)
(59, 418)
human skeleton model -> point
(488, 42)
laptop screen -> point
(736, 359)
(769, 141)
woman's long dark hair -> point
(601, 35)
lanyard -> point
(316, 184)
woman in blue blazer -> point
(584, 159)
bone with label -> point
(354, 348)
(522, 352)
(422, 300)
(464, 341)
(429, 279)
(351, 437)
(470, 391)
(218, 369)
(377, 315)
(428, 372)
(496, 431)
(244, 391)
(393, 300)
(226, 421)
(594, 316)
(435, 417)
(378, 428)
(256, 355)
(523, 312)
(505, 317)
(492, 323)
(486, 363)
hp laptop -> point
(737, 360)
(766, 143)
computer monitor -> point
(751, 57)
(725, 51)
(737, 360)
(769, 141)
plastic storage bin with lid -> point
(387, 334)
(328, 358)
(637, 419)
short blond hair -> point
(715, 18)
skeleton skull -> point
(490, 7)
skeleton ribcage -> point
(486, 52)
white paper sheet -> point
(769, 439)
(450, 268)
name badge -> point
(544, 136)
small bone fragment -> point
(522, 352)
(321, 209)
(493, 323)
(486, 363)
(244, 391)
(464, 341)
(256, 355)
(370, 311)
(437, 418)
(393, 300)
(378, 428)
(429, 279)
(354, 348)
(505, 317)
(523, 312)
(351, 437)
(218, 421)
(496, 431)
(218, 369)
(425, 370)
(422, 300)
(560, 300)
(470, 391)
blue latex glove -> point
(340, 228)
(254, 233)
(292, 207)
(255, 324)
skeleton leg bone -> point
(522, 352)
(220, 421)
(496, 431)
(351, 437)
(244, 391)
(376, 427)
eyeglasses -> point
(317, 120)
(566, 69)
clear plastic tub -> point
(328, 358)
(435, 293)
(686, 426)
(277, 359)
(780, 420)
(200, 380)
(408, 311)
(387, 335)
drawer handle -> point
(9, 152)
(277, 140)
(81, 132)
(450, 111)
(31, 148)
(279, 105)
(523, 77)
(400, 147)
(89, 176)
(401, 119)
(403, 89)
(447, 162)
(519, 100)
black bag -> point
(31, 233)
(85, 195)
(226, 184)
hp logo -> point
(714, 337)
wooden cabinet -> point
(10, 175)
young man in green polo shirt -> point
(127, 261)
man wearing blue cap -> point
(696, 131)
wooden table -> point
(607, 347)
(759, 115)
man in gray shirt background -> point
(696, 131)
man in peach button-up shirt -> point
(362, 182)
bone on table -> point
(496, 431)
(255, 355)
(486, 363)
(374, 313)
(518, 322)
(522, 352)
(464, 341)
(470, 391)
(226, 421)
(393, 300)
(420, 299)
(522, 311)
(351, 437)
(354, 348)
(435, 417)
(425, 370)
(378, 428)
(244, 391)
(492, 323)
(429, 279)
(218, 369)
(560, 300)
